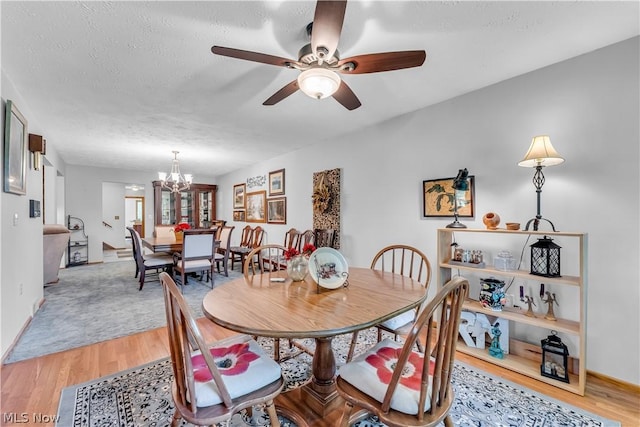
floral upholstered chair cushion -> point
(244, 367)
(371, 372)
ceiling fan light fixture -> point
(318, 83)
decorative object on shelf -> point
(15, 150)
(490, 220)
(512, 225)
(494, 349)
(541, 153)
(554, 358)
(439, 199)
(298, 262)
(175, 181)
(468, 258)
(276, 183)
(460, 188)
(504, 261)
(545, 259)
(549, 300)
(475, 326)
(178, 230)
(529, 301)
(492, 293)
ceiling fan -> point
(320, 63)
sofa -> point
(55, 239)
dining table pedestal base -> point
(320, 393)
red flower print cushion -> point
(244, 367)
(371, 372)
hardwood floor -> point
(33, 386)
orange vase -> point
(491, 220)
(179, 235)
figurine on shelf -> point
(551, 298)
(494, 349)
(529, 301)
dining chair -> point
(324, 237)
(306, 237)
(146, 262)
(198, 252)
(243, 247)
(292, 238)
(406, 261)
(133, 249)
(399, 385)
(222, 251)
(163, 231)
(213, 382)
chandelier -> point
(175, 181)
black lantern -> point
(545, 258)
(554, 358)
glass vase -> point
(297, 268)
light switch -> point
(117, 217)
(15, 219)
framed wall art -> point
(276, 182)
(256, 206)
(438, 198)
(15, 150)
(239, 191)
(239, 216)
(277, 210)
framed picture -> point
(276, 182)
(277, 210)
(439, 198)
(239, 216)
(15, 150)
(256, 205)
(239, 191)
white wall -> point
(589, 107)
(21, 267)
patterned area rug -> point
(141, 397)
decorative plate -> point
(328, 268)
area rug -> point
(141, 397)
(99, 302)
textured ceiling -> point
(122, 84)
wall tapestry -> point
(326, 202)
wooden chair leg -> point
(346, 414)
(447, 421)
(352, 346)
(142, 274)
(276, 349)
(175, 421)
(273, 416)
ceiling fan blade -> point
(327, 26)
(282, 93)
(387, 61)
(252, 56)
(345, 96)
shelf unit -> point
(78, 246)
(195, 206)
(577, 328)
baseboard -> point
(634, 388)
(17, 338)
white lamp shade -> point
(162, 176)
(318, 83)
(541, 153)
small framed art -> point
(277, 210)
(439, 198)
(15, 150)
(276, 182)
(239, 216)
(239, 191)
(256, 206)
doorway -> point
(134, 214)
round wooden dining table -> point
(263, 307)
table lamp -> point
(460, 187)
(541, 153)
